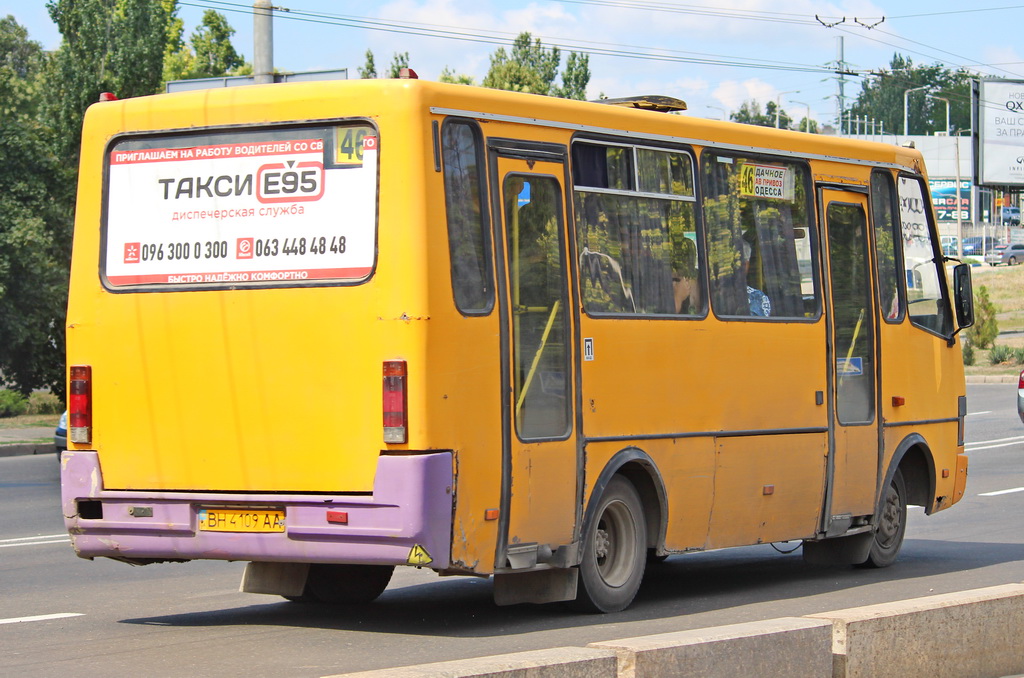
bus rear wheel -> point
(892, 524)
(614, 550)
(344, 584)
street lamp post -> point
(807, 118)
(906, 124)
(717, 108)
(778, 104)
(929, 96)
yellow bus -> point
(332, 328)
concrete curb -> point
(991, 379)
(969, 633)
(19, 449)
(559, 662)
(790, 646)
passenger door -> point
(852, 468)
(540, 495)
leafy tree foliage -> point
(533, 68)
(881, 97)
(986, 328)
(209, 53)
(369, 69)
(750, 114)
(576, 77)
(398, 62)
(21, 62)
(450, 76)
(108, 46)
(36, 194)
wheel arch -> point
(914, 458)
(640, 470)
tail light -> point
(396, 421)
(80, 404)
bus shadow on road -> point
(707, 589)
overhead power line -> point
(593, 48)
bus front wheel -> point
(892, 524)
(344, 584)
(614, 550)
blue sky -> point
(713, 58)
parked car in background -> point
(60, 435)
(1020, 396)
(1011, 255)
(1011, 216)
(976, 246)
(949, 243)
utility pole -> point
(841, 81)
(263, 42)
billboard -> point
(944, 198)
(999, 119)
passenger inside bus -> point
(760, 304)
(685, 285)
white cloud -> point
(732, 93)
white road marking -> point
(996, 494)
(41, 617)
(971, 414)
(992, 444)
(33, 541)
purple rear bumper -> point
(410, 509)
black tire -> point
(344, 584)
(1013, 261)
(892, 524)
(614, 550)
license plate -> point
(240, 520)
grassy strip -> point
(30, 421)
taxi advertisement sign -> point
(260, 209)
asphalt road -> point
(189, 619)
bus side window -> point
(760, 252)
(927, 301)
(468, 227)
(884, 215)
(636, 230)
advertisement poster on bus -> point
(944, 198)
(256, 208)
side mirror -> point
(963, 296)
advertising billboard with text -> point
(999, 115)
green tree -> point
(807, 125)
(881, 97)
(21, 63)
(985, 329)
(368, 70)
(215, 55)
(36, 194)
(450, 76)
(533, 68)
(177, 58)
(750, 114)
(209, 52)
(576, 77)
(398, 62)
(108, 46)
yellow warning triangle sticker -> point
(419, 556)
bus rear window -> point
(270, 207)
